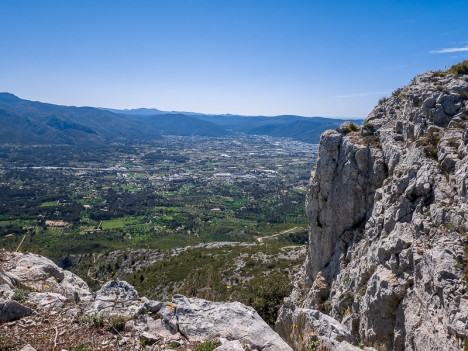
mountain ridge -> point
(29, 122)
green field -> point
(160, 204)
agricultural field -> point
(167, 193)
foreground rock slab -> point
(198, 320)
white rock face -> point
(234, 345)
(37, 273)
(117, 298)
(388, 217)
(200, 320)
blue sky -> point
(255, 57)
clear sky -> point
(265, 57)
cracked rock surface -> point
(388, 215)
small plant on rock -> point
(453, 142)
(117, 323)
(353, 127)
(207, 345)
(430, 143)
(93, 320)
(439, 74)
(382, 100)
(314, 345)
(20, 295)
(442, 89)
(397, 93)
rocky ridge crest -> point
(388, 211)
(48, 308)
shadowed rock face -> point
(388, 217)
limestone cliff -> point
(388, 215)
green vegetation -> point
(430, 143)
(49, 204)
(167, 194)
(266, 295)
(397, 93)
(460, 68)
(314, 345)
(353, 127)
(382, 100)
(442, 89)
(207, 346)
(94, 320)
(173, 192)
(255, 274)
(20, 295)
(81, 348)
(439, 73)
(116, 323)
(7, 343)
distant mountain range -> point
(32, 122)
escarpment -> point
(387, 204)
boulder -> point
(47, 301)
(11, 310)
(37, 273)
(201, 320)
(117, 298)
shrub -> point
(117, 323)
(430, 143)
(397, 93)
(369, 125)
(313, 346)
(453, 142)
(93, 320)
(439, 74)
(442, 89)
(327, 307)
(345, 308)
(459, 68)
(382, 100)
(349, 127)
(266, 295)
(20, 295)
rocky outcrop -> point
(199, 320)
(388, 215)
(37, 273)
(40, 297)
